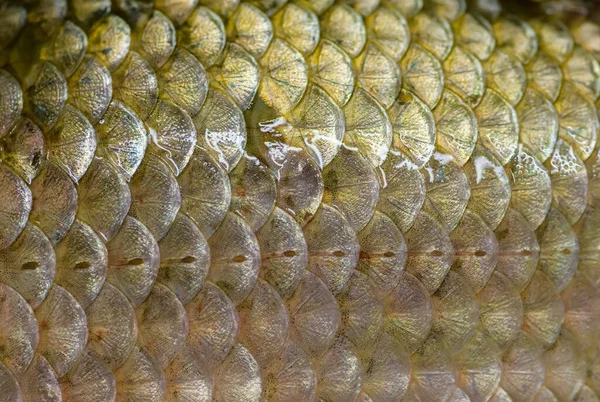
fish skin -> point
(299, 200)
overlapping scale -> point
(221, 129)
(475, 250)
(315, 124)
(140, 378)
(583, 70)
(133, 260)
(383, 252)
(188, 377)
(29, 265)
(553, 37)
(475, 33)
(213, 324)
(157, 40)
(543, 309)
(98, 192)
(378, 74)
(20, 334)
(253, 191)
(565, 367)
(265, 323)
(136, 84)
(9, 385)
(205, 191)
(331, 68)
(162, 324)
(203, 34)
(184, 259)
(235, 258)
(501, 310)
(479, 368)
(299, 26)
(545, 75)
(122, 137)
(172, 135)
(351, 186)
(16, 201)
(569, 181)
(518, 248)
(409, 314)
(455, 311)
(448, 190)
(290, 376)
(109, 40)
(505, 75)
(22, 149)
(433, 372)
(387, 371)
(339, 372)
(39, 382)
(464, 75)
(284, 253)
(45, 94)
(88, 380)
(531, 190)
(489, 185)
(559, 249)
(81, 263)
(182, 80)
(237, 74)
(250, 28)
(581, 310)
(389, 29)
(155, 196)
(430, 251)
(538, 124)
(238, 378)
(578, 120)
(90, 89)
(456, 127)
(362, 311)
(517, 37)
(344, 26)
(333, 249)
(71, 143)
(11, 102)
(523, 370)
(402, 191)
(314, 315)
(112, 327)
(422, 74)
(63, 329)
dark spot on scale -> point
(289, 253)
(30, 265)
(239, 258)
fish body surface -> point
(299, 201)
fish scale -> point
(304, 200)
